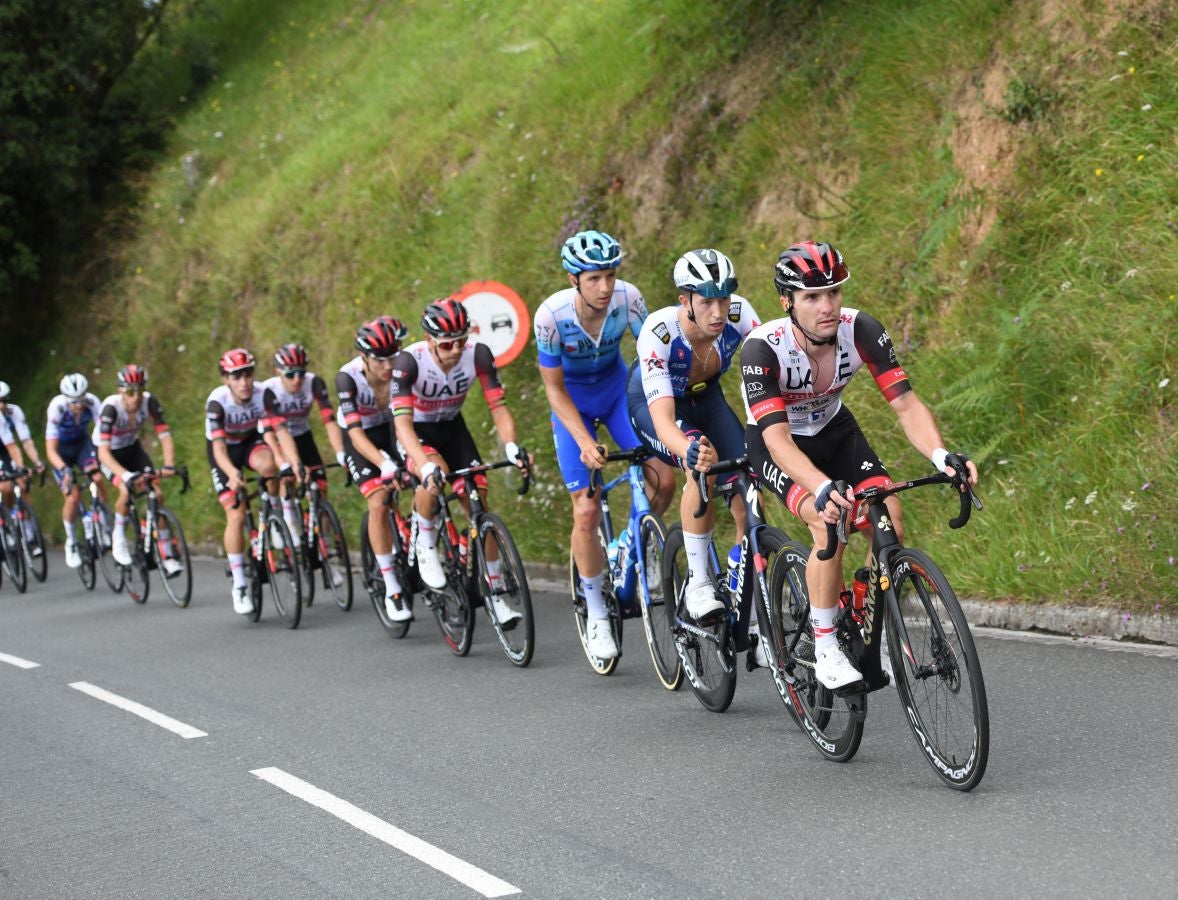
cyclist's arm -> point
(162, 433)
(563, 406)
(106, 424)
(921, 430)
(14, 451)
(52, 455)
(327, 414)
(31, 451)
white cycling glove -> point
(388, 469)
(339, 458)
(512, 450)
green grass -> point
(359, 158)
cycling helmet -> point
(236, 360)
(74, 386)
(291, 356)
(4, 390)
(590, 251)
(446, 318)
(133, 376)
(381, 337)
(708, 273)
(809, 266)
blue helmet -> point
(590, 251)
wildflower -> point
(1071, 502)
(1074, 398)
(1132, 69)
(1090, 499)
(1163, 383)
(1147, 107)
(1003, 462)
(181, 348)
(1126, 617)
(1129, 505)
(1140, 157)
(1067, 285)
(1132, 273)
(1145, 487)
(1099, 172)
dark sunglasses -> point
(450, 345)
(132, 390)
(241, 373)
(294, 373)
(816, 280)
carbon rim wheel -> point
(112, 572)
(581, 612)
(937, 672)
(451, 604)
(170, 543)
(14, 554)
(510, 595)
(788, 603)
(86, 569)
(38, 564)
(333, 557)
(136, 579)
(374, 582)
(655, 620)
(282, 567)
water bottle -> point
(611, 554)
(625, 539)
(255, 550)
(463, 545)
(88, 527)
(859, 593)
(733, 568)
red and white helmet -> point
(809, 266)
(133, 376)
(236, 360)
(446, 319)
(291, 356)
(381, 337)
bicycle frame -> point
(627, 594)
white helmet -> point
(708, 273)
(74, 386)
(4, 390)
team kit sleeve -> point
(635, 310)
(214, 421)
(748, 318)
(20, 426)
(404, 377)
(345, 390)
(320, 395)
(488, 375)
(6, 436)
(548, 349)
(106, 425)
(53, 419)
(653, 345)
(874, 344)
(156, 411)
(761, 382)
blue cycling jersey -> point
(562, 342)
(63, 425)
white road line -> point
(1090, 642)
(460, 870)
(18, 662)
(144, 712)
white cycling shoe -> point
(505, 614)
(172, 567)
(243, 604)
(761, 653)
(429, 566)
(834, 670)
(701, 600)
(885, 659)
(73, 558)
(119, 550)
(396, 608)
(600, 639)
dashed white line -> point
(460, 870)
(146, 712)
(18, 662)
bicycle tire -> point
(179, 586)
(451, 604)
(282, 569)
(832, 721)
(333, 556)
(14, 554)
(517, 640)
(136, 577)
(708, 664)
(37, 564)
(785, 577)
(87, 571)
(937, 672)
(660, 640)
(374, 582)
(305, 556)
(581, 611)
(106, 563)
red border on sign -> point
(525, 319)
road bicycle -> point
(272, 557)
(404, 530)
(322, 550)
(708, 649)
(32, 539)
(12, 554)
(932, 654)
(94, 549)
(157, 538)
(468, 581)
(633, 584)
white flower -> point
(1065, 287)
(1163, 382)
(1090, 499)
(1074, 398)
(1071, 502)
(1147, 107)
(1009, 492)
(1122, 53)
(1132, 273)
(218, 134)
(1004, 462)
(1129, 505)
(181, 348)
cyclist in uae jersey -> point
(124, 460)
(801, 439)
(69, 420)
(240, 435)
(289, 396)
(365, 413)
(430, 382)
(15, 437)
(579, 333)
(676, 403)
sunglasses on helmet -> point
(450, 345)
(816, 280)
(712, 291)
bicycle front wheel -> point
(937, 672)
(786, 606)
(707, 654)
(655, 620)
(333, 557)
(136, 577)
(282, 567)
(170, 544)
(373, 582)
(33, 540)
(14, 555)
(581, 611)
(112, 572)
(451, 604)
(507, 598)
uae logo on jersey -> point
(662, 332)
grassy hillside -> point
(998, 175)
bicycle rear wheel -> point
(33, 542)
(510, 594)
(708, 654)
(451, 604)
(169, 543)
(333, 557)
(660, 640)
(103, 523)
(788, 604)
(136, 578)
(581, 611)
(307, 555)
(373, 582)
(937, 672)
(14, 554)
(282, 569)
(86, 569)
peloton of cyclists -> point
(579, 333)
(363, 386)
(241, 435)
(802, 439)
(431, 379)
(69, 421)
(123, 458)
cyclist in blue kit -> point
(71, 417)
(579, 333)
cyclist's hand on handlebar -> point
(67, 480)
(389, 470)
(129, 479)
(518, 455)
(829, 502)
(39, 467)
(700, 455)
(961, 468)
(167, 470)
(593, 455)
(235, 479)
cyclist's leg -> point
(584, 542)
(658, 475)
(425, 510)
(233, 538)
(71, 500)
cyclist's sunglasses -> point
(132, 390)
(240, 374)
(816, 281)
(294, 373)
(713, 291)
(450, 345)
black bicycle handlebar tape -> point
(967, 497)
(835, 533)
(701, 482)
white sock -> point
(290, 512)
(697, 547)
(120, 524)
(493, 568)
(70, 537)
(391, 585)
(823, 622)
(593, 600)
(237, 569)
(427, 532)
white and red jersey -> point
(232, 421)
(117, 429)
(357, 399)
(778, 379)
(294, 407)
(421, 387)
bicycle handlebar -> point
(636, 455)
(471, 471)
(721, 467)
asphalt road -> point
(331, 761)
